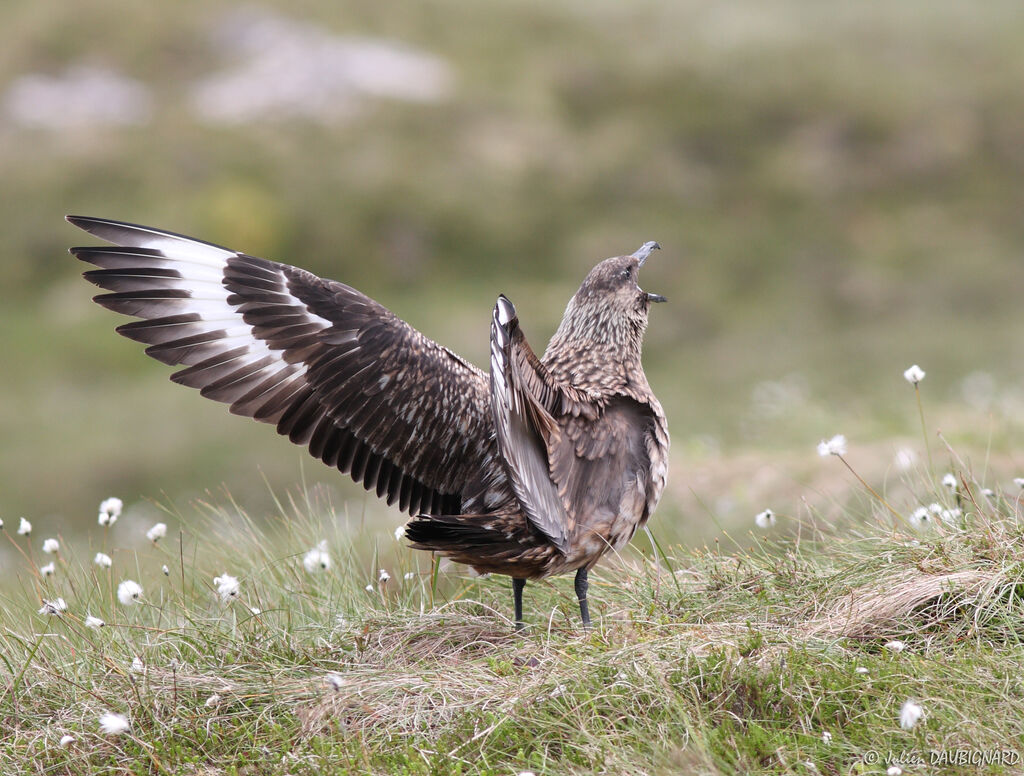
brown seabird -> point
(536, 469)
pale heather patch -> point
(288, 69)
(80, 97)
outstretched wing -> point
(330, 367)
(523, 400)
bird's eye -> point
(625, 274)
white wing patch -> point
(173, 245)
(181, 288)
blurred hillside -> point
(837, 188)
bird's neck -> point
(597, 351)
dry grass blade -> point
(880, 608)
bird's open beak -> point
(641, 255)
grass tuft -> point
(699, 661)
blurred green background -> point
(838, 188)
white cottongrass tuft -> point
(1, 524)
(1018, 481)
(861, 670)
(409, 575)
(894, 770)
(834, 446)
(94, 622)
(48, 570)
(167, 571)
(157, 532)
(920, 518)
(51, 546)
(951, 516)
(110, 510)
(113, 724)
(400, 533)
(335, 680)
(24, 527)
(129, 592)
(66, 740)
(255, 610)
(227, 587)
(895, 645)
(369, 588)
(926, 517)
(949, 480)
(383, 578)
(212, 701)
(910, 714)
(103, 560)
(317, 559)
(55, 607)
(765, 520)
(826, 737)
(138, 667)
(905, 458)
(914, 375)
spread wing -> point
(331, 368)
(523, 400)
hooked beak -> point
(656, 298)
(645, 250)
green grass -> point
(707, 661)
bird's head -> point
(610, 307)
(614, 284)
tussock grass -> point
(700, 661)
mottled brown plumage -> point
(536, 469)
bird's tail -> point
(477, 540)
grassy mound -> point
(796, 655)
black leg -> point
(581, 594)
(517, 594)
